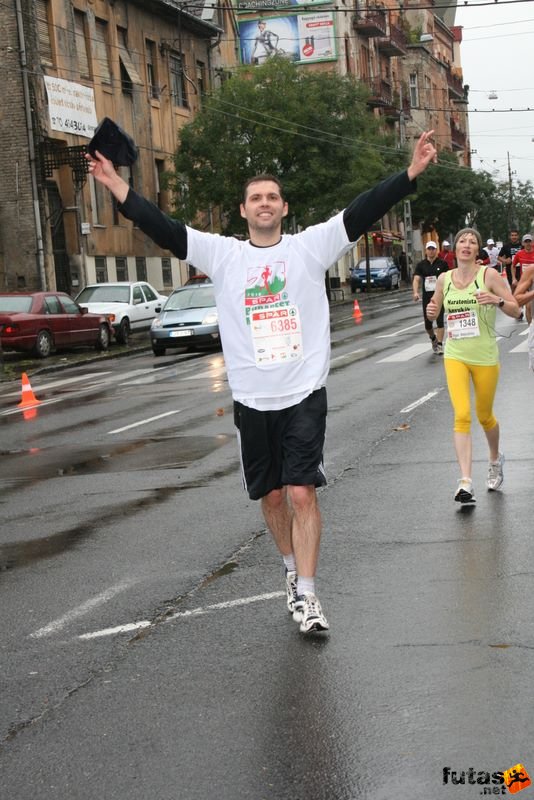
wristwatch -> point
(501, 302)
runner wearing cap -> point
(493, 254)
(446, 254)
(425, 277)
(523, 258)
(507, 252)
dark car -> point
(384, 273)
(195, 280)
(40, 322)
(188, 318)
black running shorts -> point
(439, 319)
(281, 448)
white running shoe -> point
(309, 613)
(495, 474)
(435, 346)
(291, 589)
(464, 493)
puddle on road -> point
(175, 452)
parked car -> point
(41, 322)
(129, 306)
(194, 280)
(384, 273)
(189, 318)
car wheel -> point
(123, 333)
(44, 344)
(158, 350)
(102, 342)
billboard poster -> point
(303, 38)
(249, 6)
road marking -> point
(402, 330)
(79, 611)
(421, 400)
(212, 372)
(195, 612)
(21, 409)
(63, 382)
(144, 421)
(347, 355)
(406, 354)
(521, 348)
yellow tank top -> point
(480, 349)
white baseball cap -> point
(527, 237)
(431, 244)
(445, 243)
(490, 241)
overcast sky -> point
(497, 55)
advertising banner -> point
(303, 38)
(71, 107)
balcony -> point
(395, 44)
(372, 22)
(455, 85)
(381, 94)
(458, 137)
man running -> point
(522, 259)
(425, 276)
(276, 344)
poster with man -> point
(299, 37)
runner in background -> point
(423, 287)
(523, 258)
(446, 254)
(470, 295)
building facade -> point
(67, 65)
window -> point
(140, 268)
(178, 90)
(414, 94)
(101, 269)
(43, 31)
(201, 81)
(52, 306)
(151, 72)
(129, 74)
(161, 194)
(121, 267)
(70, 306)
(166, 271)
(149, 294)
(80, 33)
(101, 51)
(137, 295)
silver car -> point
(188, 319)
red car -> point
(41, 322)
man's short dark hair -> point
(263, 177)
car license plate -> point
(185, 332)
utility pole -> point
(407, 206)
(511, 220)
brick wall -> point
(18, 245)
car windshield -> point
(374, 263)
(199, 297)
(104, 294)
(13, 304)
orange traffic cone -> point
(28, 397)
(356, 313)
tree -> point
(450, 197)
(311, 129)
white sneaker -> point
(291, 589)
(309, 613)
(495, 474)
(464, 493)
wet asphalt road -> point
(212, 692)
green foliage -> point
(450, 197)
(313, 130)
